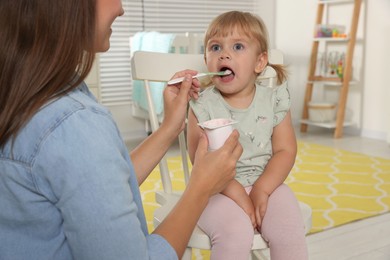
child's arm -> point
(237, 193)
(284, 149)
(193, 134)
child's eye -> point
(215, 47)
(238, 46)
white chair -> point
(152, 66)
(182, 43)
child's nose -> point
(224, 56)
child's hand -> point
(247, 206)
(260, 201)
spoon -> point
(199, 75)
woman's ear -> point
(262, 61)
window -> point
(171, 16)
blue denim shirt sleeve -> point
(82, 170)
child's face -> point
(238, 53)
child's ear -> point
(262, 60)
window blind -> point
(170, 16)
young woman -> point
(68, 187)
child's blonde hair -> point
(251, 26)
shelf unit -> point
(345, 82)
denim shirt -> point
(68, 188)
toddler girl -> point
(256, 198)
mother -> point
(68, 187)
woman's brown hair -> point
(250, 25)
(46, 50)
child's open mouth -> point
(228, 76)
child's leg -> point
(229, 228)
(283, 226)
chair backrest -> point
(155, 66)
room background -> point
(368, 100)
(291, 26)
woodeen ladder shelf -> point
(344, 82)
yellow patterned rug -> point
(340, 186)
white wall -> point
(368, 100)
(376, 113)
(294, 26)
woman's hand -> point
(176, 98)
(212, 171)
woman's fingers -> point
(194, 86)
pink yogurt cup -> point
(217, 131)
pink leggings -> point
(231, 231)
